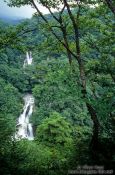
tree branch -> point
(42, 16)
(110, 5)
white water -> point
(24, 127)
(28, 60)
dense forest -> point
(72, 81)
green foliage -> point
(10, 108)
(9, 99)
(63, 128)
(59, 91)
(54, 130)
(55, 136)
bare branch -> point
(52, 13)
(61, 12)
(56, 36)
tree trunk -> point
(91, 110)
(63, 28)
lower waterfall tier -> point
(24, 127)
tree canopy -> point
(72, 79)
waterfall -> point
(28, 60)
(24, 127)
(30, 132)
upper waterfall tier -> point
(28, 60)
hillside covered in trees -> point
(72, 81)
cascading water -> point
(24, 127)
(28, 60)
